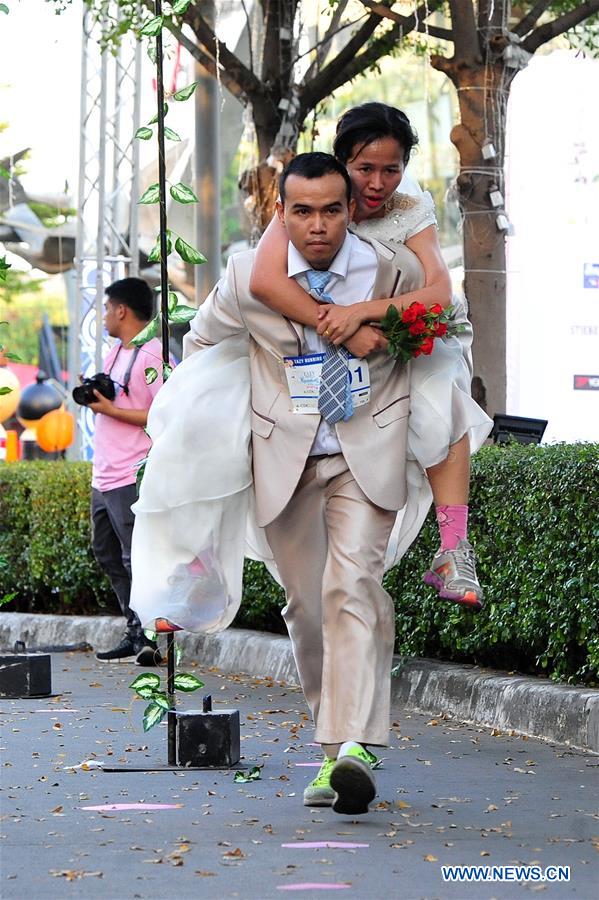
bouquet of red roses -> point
(412, 331)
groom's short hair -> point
(314, 165)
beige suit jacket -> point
(373, 440)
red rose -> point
(436, 308)
(440, 328)
(427, 346)
(420, 309)
(417, 327)
(410, 314)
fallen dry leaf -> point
(430, 858)
(235, 854)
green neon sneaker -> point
(352, 780)
(319, 792)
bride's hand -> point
(338, 323)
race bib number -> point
(303, 380)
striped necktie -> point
(334, 401)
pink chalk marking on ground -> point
(313, 886)
(324, 845)
(314, 764)
(112, 807)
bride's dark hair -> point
(369, 122)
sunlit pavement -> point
(448, 795)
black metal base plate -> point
(239, 767)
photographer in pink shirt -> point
(120, 443)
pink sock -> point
(453, 525)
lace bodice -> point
(404, 217)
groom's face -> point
(316, 215)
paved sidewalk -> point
(448, 795)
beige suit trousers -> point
(329, 545)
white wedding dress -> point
(194, 521)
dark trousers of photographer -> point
(112, 530)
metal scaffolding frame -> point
(107, 213)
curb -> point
(531, 706)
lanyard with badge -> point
(304, 376)
(304, 373)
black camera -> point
(83, 394)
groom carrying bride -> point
(328, 435)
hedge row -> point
(533, 521)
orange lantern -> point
(56, 430)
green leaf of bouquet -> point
(144, 133)
(182, 314)
(4, 8)
(180, 6)
(148, 679)
(153, 714)
(187, 682)
(5, 173)
(151, 375)
(185, 92)
(188, 253)
(151, 194)
(171, 135)
(182, 193)
(13, 356)
(5, 390)
(147, 333)
(154, 119)
(152, 27)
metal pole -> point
(207, 172)
(133, 208)
(170, 640)
(101, 211)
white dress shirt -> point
(353, 272)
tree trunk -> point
(483, 92)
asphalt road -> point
(448, 795)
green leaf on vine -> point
(4, 173)
(173, 300)
(151, 194)
(166, 371)
(153, 714)
(188, 253)
(185, 92)
(180, 6)
(4, 8)
(144, 133)
(147, 333)
(171, 135)
(182, 193)
(154, 254)
(152, 27)
(146, 693)
(148, 679)
(154, 119)
(161, 700)
(187, 682)
(182, 314)
(151, 375)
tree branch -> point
(207, 62)
(527, 23)
(340, 70)
(230, 63)
(465, 35)
(546, 32)
(322, 46)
